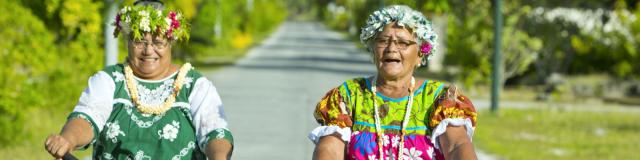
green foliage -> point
(48, 50)
(614, 52)
(22, 71)
(232, 25)
(470, 40)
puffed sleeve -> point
(333, 115)
(95, 103)
(207, 114)
(452, 108)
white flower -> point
(144, 24)
(385, 140)
(188, 81)
(113, 130)
(125, 9)
(372, 157)
(395, 141)
(143, 13)
(412, 154)
(158, 13)
(168, 21)
(430, 152)
(140, 156)
(169, 131)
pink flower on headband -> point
(425, 48)
(118, 20)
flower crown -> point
(137, 20)
(404, 16)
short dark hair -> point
(157, 4)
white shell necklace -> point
(405, 121)
(154, 109)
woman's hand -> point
(77, 132)
(58, 146)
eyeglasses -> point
(400, 43)
(157, 45)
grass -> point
(42, 123)
(552, 134)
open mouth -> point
(391, 60)
(148, 59)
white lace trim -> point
(319, 132)
(442, 127)
(155, 96)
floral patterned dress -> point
(122, 132)
(348, 110)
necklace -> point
(160, 108)
(405, 121)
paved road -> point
(269, 96)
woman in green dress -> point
(148, 107)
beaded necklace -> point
(160, 108)
(405, 121)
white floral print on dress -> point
(372, 157)
(113, 130)
(411, 154)
(118, 77)
(395, 141)
(220, 133)
(385, 140)
(170, 131)
(430, 153)
(187, 82)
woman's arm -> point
(75, 133)
(455, 144)
(329, 147)
(218, 149)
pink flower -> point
(118, 20)
(170, 34)
(172, 15)
(175, 24)
(425, 48)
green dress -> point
(122, 132)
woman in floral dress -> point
(392, 115)
(148, 107)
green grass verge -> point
(552, 134)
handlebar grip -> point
(68, 156)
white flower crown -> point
(407, 17)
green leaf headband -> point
(404, 16)
(137, 20)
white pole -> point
(110, 42)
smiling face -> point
(395, 52)
(150, 57)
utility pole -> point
(497, 57)
(110, 41)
